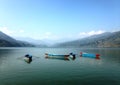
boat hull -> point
(55, 56)
(90, 55)
(28, 60)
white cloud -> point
(6, 30)
(21, 31)
(44, 36)
(86, 34)
(10, 32)
(48, 33)
(50, 36)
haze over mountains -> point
(107, 39)
(7, 41)
(36, 41)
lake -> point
(41, 71)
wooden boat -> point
(55, 56)
(96, 56)
(58, 56)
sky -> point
(59, 19)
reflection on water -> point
(55, 58)
(53, 71)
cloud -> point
(10, 32)
(40, 36)
(21, 31)
(86, 34)
(50, 36)
(6, 30)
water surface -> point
(81, 71)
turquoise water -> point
(81, 71)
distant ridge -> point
(102, 40)
(3, 36)
(108, 39)
(7, 41)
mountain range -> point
(7, 41)
(107, 39)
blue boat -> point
(58, 56)
(55, 56)
(96, 56)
